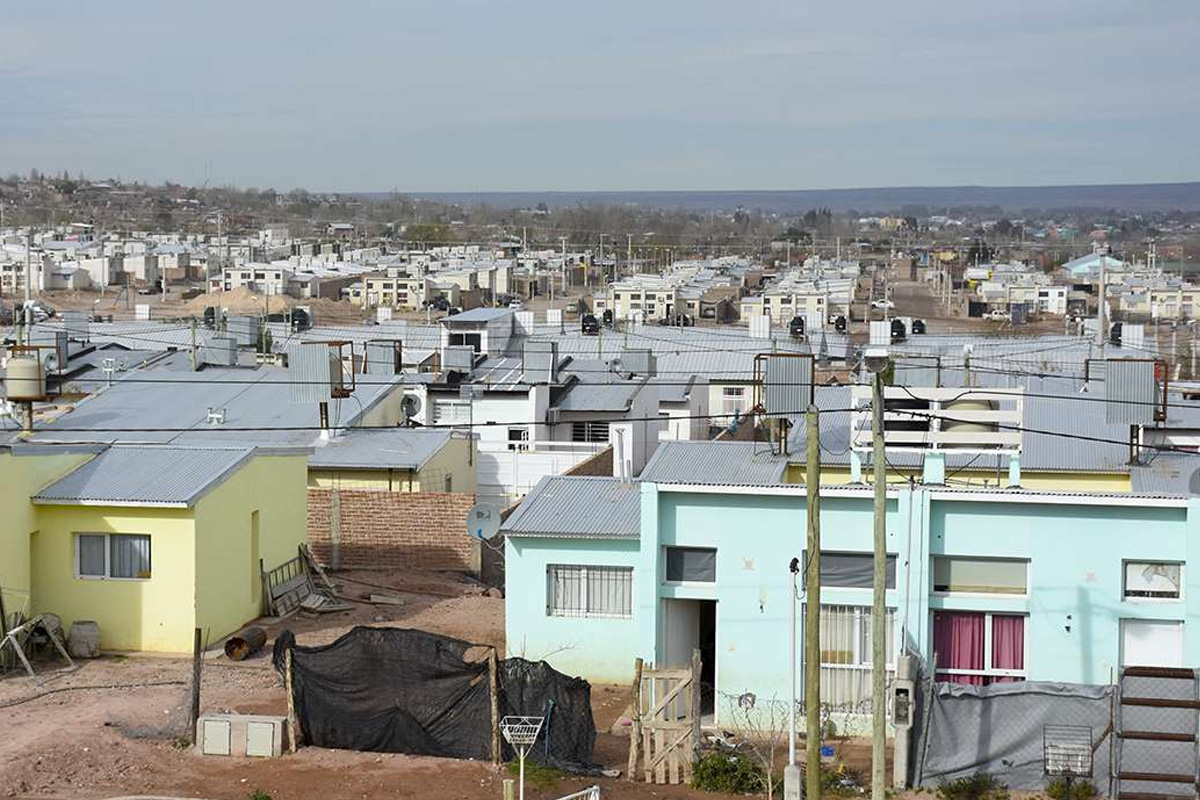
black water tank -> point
(796, 327)
(918, 327)
(899, 332)
(839, 324)
(1114, 333)
(588, 325)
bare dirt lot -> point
(62, 739)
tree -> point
(762, 727)
(430, 232)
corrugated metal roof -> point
(401, 448)
(145, 476)
(1167, 474)
(578, 507)
(715, 463)
(616, 396)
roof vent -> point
(216, 416)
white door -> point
(1151, 643)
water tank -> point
(839, 324)
(796, 327)
(24, 380)
(899, 331)
(918, 327)
(950, 426)
(1114, 333)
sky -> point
(458, 95)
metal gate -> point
(1157, 755)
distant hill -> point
(1136, 197)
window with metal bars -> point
(589, 431)
(589, 591)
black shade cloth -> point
(396, 690)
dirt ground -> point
(113, 727)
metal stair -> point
(1156, 733)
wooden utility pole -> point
(878, 589)
(812, 609)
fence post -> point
(291, 700)
(695, 709)
(194, 708)
(494, 686)
(635, 730)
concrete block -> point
(241, 735)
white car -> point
(885, 304)
(515, 305)
(997, 315)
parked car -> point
(885, 304)
(515, 305)
(997, 315)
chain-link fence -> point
(998, 730)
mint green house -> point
(1004, 585)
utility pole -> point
(563, 272)
(877, 363)
(812, 610)
(629, 252)
(1102, 306)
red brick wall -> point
(386, 530)
(601, 464)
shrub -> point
(727, 773)
(980, 786)
(258, 794)
(1080, 790)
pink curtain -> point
(958, 641)
(1008, 644)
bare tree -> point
(762, 726)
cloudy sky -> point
(458, 95)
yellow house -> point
(394, 460)
(153, 541)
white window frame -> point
(583, 591)
(1125, 588)
(941, 593)
(521, 443)
(990, 672)
(108, 576)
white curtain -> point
(129, 555)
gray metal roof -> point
(1167, 474)
(172, 407)
(715, 463)
(399, 448)
(477, 315)
(578, 507)
(145, 476)
(615, 396)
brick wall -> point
(364, 529)
(601, 465)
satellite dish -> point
(483, 522)
(410, 406)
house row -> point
(998, 586)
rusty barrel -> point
(245, 643)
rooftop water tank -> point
(24, 380)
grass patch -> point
(539, 775)
(727, 773)
(1080, 790)
(259, 794)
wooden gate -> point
(666, 722)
